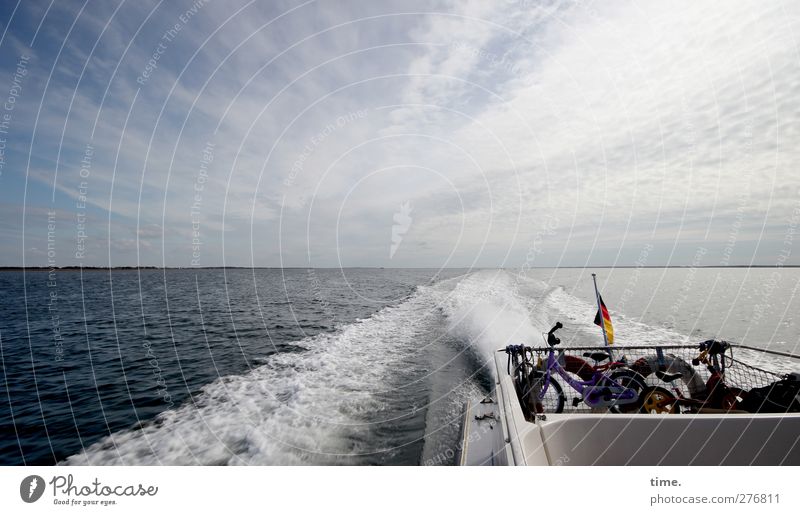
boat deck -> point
(580, 437)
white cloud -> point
(630, 122)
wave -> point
(313, 406)
(488, 311)
(578, 315)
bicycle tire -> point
(554, 399)
(656, 399)
(629, 379)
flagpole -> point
(602, 319)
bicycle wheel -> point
(554, 399)
(634, 381)
(655, 399)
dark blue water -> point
(138, 343)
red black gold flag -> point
(603, 319)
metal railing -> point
(650, 363)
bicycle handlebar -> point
(714, 346)
(551, 336)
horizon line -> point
(229, 267)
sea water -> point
(319, 366)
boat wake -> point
(361, 395)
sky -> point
(399, 133)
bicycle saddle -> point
(597, 356)
(667, 378)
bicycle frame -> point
(600, 391)
(717, 394)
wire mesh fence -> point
(667, 379)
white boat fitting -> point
(497, 432)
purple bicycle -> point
(601, 391)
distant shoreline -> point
(129, 268)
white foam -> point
(308, 407)
(493, 308)
(486, 310)
(578, 315)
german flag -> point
(603, 319)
